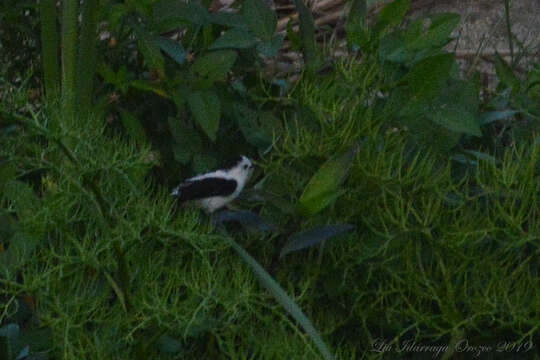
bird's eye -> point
(245, 167)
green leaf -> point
(312, 237)
(323, 188)
(259, 18)
(392, 15)
(172, 48)
(454, 117)
(234, 39)
(492, 116)
(428, 76)
(215, 65)
(246, 218)
(187, 141)
(438, 33)
(203, 163)
(148, 86)
(175, 13)
(283, 299)
(132, 125)
(392, 48)
(19, 251)
(257, 127)
(270, 48)
(206, 109)
(169, 345)
(150, 50)
(313, 205)
(25, 201)
(307, 32)
(228, 19)
(506, 74)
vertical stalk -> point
(509, 30)
(49, 47)
(87, 54)
(69, 57)
(307, 32)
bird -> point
(213, 190)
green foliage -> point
(313, 237)
(424, 92)
(323, 188)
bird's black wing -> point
(203, 188)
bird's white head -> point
(241, 170)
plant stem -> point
(49, 47)
(69, 57)
(509, 30)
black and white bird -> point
(216, 189)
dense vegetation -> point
(392, 204)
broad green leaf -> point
(187, 141)
(482, 156)
(172, 48)
(506, 74)
(257, 127)
(175, 13)
(19, 251)
(260, 18)
(270, 48)
(492, 116)
(455, 118)
(150, 50)
(428, 76)
(428, 133)
(7, 173)
(206, 109)
(324, 185)
(283, 299)
(215, 65)
(25, 201)
(392, 14)
(246, 218)
(228, 19)
(148, 86)
(203, 163)
(315, 204)
(234, 39)
(132, 125)
(169, 345)
(313, 237)
(392, 48)
(438, 33)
